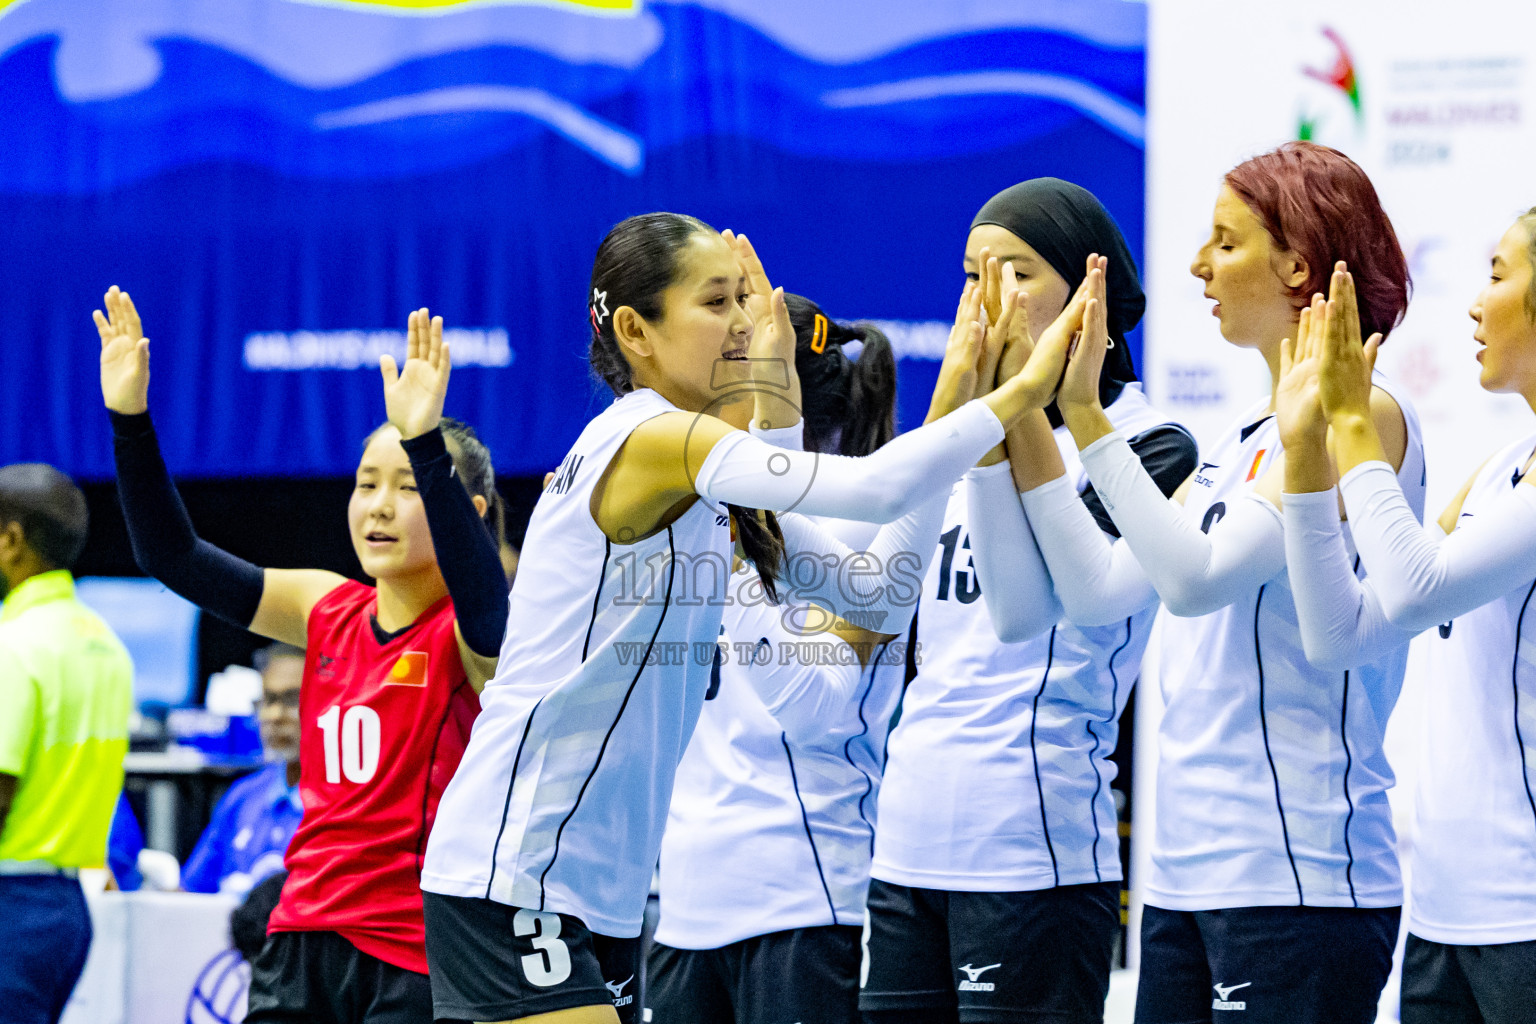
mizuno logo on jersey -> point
(972, 973)
(1223, 1000)
(1201, 478)
(410, 670)
(617, 988)
(565, 476)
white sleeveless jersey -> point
(561, 798)
(772, 827)
(1474, 855)
(1272, 782)
(999, 772)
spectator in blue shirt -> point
(253, 823)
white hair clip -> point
(599, 307)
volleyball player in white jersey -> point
(538, 867)
(996, 892)
(1471, 954)
(1274, 888)
(765, 861)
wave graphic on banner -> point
(336, 91)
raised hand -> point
(413, 395)
(1344, 376)
(999, 303)
(1037, 382)
(1080, 382)
(958, 373)
(1298, 402)
(767, 343)
(124, 355)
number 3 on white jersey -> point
(551, 963)
(351, 743)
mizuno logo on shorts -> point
(1223, 1000)
(972, 973)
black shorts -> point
(1493, 984)
(321, 978)
(1264, 965)
(489, 961)
(804, 974)
(990, 956)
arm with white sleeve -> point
(876, 588)
(802, 694)
(1194, 572)
(1342, 620)
(1422, 580)
(879, 487)
(1096, 577)
(1019, 596)
(876, 585)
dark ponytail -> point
(849, 406)
(636, 262)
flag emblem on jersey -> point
(410, 670)
(1253, 470)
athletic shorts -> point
(321, 978)
(809, 975)
(489, 961)
(1264, 965)
(1043, 955)
(1469, 984)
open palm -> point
(414, 394)
(1298, 402)
(124, 355)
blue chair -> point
(159, 629)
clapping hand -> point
(1080, 383)
(958, 373)
(1298, 402)
(1344, 375)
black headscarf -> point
(1064, 222)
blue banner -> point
(277, 182)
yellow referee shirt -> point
(66, 686)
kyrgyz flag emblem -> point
(410, 670)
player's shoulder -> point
(343, 601)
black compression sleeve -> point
(164, 542)
(1167, 453)
(466, 552)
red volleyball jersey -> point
(384, 721)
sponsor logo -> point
(1223, 1000)
(1201, 478)
(972, 973)
(617, 988)
(326, 667)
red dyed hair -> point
(1318, 203)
